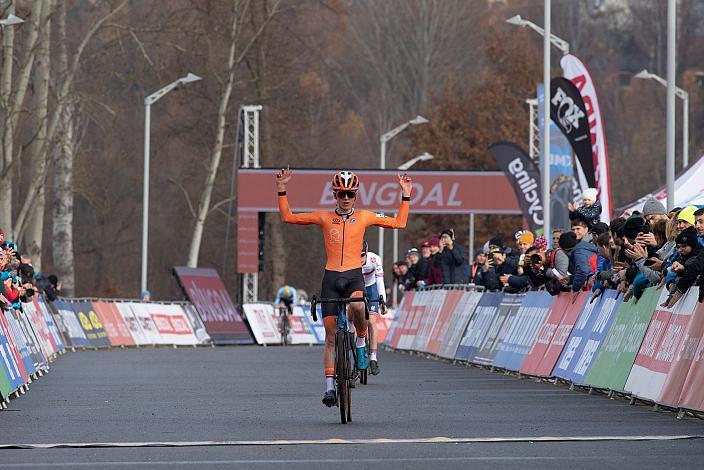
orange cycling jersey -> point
(343, 234)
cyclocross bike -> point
(284, 325)
(345, 357)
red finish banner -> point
(440, 327)
(434, 192)
(206, 291)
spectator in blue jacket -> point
(583, 256)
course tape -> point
(303, 442)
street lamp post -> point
(148, 102)
(11, 20)
(382, 159)
(405, 166)
(680, 93)
(564, 46)
(670, 114)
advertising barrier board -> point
(543, 339)
(484, 314)
(521, 333)
(72, 325)
(437, 334)
(587, 336)
(613, 363)
(508, 308)
(114, 325)
(90, 323)
(457, 325)
(205, 290)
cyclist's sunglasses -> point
(346, 194)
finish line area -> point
(260, 407)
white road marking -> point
(311, 442)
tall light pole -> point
(425, 156)
(546, 119)
(671, 50)
(11, 20)
(382, 159)
(680, 93)
(564, 46)
(148, 102)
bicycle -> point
(344, 349)
(284, 325)
(364, 374)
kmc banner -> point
(508, 308)
(577, 73)
(459, 320)
(613, 364)
(524, 177)
(521, 333)
(484, 315)
(587, 336)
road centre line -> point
(309, 442)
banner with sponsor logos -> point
(442, 321)
(10, 359)
(434, 304)
(532, 364)
(520, 335)
(205, 290)
(20, 341)
(524, 176)
(115, 328)
(171, 323)
(457, 325)
(508, 308)
(73, 327)
(613, 364)
(575, 71)
(90, 323)
(478, 327)
(587, 337)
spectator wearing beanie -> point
(434, 272)
(653, 210)
(525, 241)
(590, 211)
(582, 256)
(689, 264)
(686, 218)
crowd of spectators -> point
(652, 247)
(20, 282)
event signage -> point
(73, 326)
(206, 291)
(575, 71)
(479, 325)
(10, 359)
(544, 337)
(437, 335)
(524, 176)
(508, 308)
(91, 324)
(520, 335)
(567, 111)
(613, 364)
(434, 304)
(20, 341)
(461, 315)
(587, 336)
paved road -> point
(265, 394)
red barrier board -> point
(692, 395)
(206, 291)
(113, 324)
(434, 301)
(448, 308)
(532, 363)
(562, 333)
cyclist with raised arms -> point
(343, 233)
(373, 272)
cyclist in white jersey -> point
(373, 272)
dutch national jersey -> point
(373, 272)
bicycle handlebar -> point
(314, 301)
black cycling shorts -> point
(339, 285)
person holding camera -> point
(451, 259)
(501, 270)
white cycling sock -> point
(361, 341)
(372, 356)
(329, 383)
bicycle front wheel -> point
(342, 371)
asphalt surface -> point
(266, 394)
